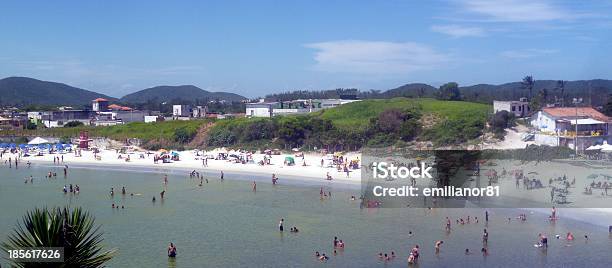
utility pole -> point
(576, 101)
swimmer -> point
(484, 251)
(438, 244)
(411, 258)
(467, 251)
(153, 200)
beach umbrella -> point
(22, 146)
(12, 146)
(3, 145)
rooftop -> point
(572, 112)
(100, 99)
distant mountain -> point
(184, 92)
(594, 92)
(410, 90)
(23, 91)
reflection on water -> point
(227, 224)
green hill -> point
(185, 93)
(358, 114)
(23, 91)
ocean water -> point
(226, 224)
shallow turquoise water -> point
(226, 224)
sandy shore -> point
(313, 171)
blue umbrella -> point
(12, 146)
(59, 146)
(3, 145)
(22, 146)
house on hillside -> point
(519, 108)
(567, 126)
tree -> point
(74, 124)
(528, 84)
(449, 91)
(181, 135)
(500, 121)
(561, 87)
(608, 106)
(31, 125)
(74, 230)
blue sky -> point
(259, 47)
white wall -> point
(258, 112)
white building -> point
(153, 118)
(199, 111)
(269, 109)
(181, 110)
(518, 108)
(262, 109)
(570, 125)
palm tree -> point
(73, 230)
(528, 83)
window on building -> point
(513, 108)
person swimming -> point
(438, 245)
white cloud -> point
(517, 10)
(375, 57)
(527, 53)
(458, 31)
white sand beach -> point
(312, 171)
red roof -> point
(100, 99)
(558, 112)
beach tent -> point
(289, 160)
(606, 148)
(594, 147)
(38, 140)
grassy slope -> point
(141, 130)
(358, 114)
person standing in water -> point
(171, 250)
(254, 186)
(280, 224)
(222, 174)
(485, 237)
